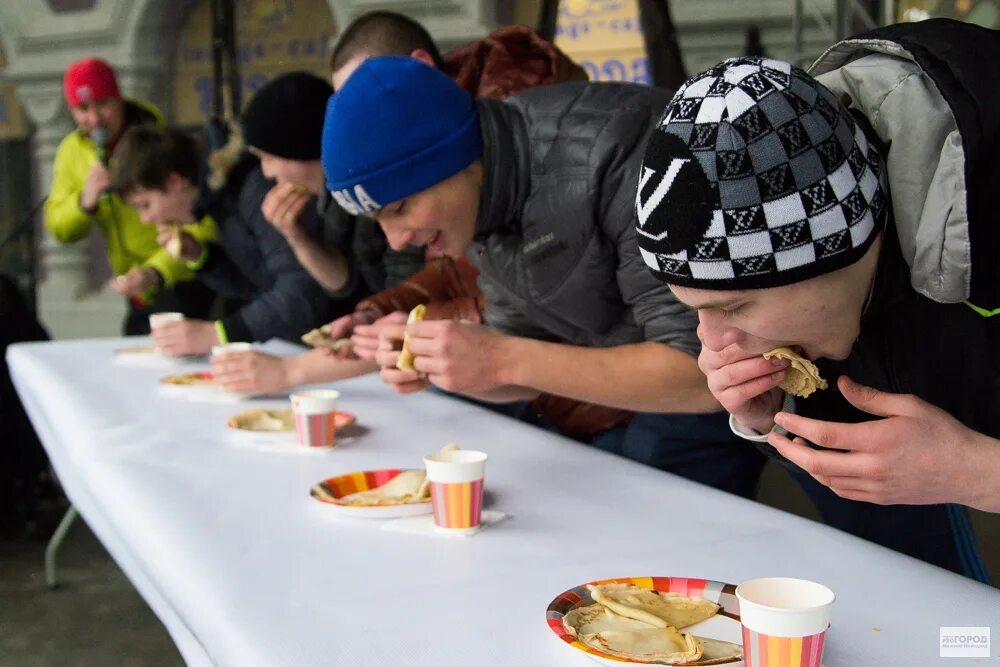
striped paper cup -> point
(784, 621)
(315, 417)
(456, 482)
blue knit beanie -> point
(397, 127)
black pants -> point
(191, 298)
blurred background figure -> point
(79, 199)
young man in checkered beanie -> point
(764, 204)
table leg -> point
(53, 546)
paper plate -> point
(329, 491)
(725, 625)
(242, 421)
(146, 356)
(191, 380)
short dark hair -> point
(382, 33)
(147, 154)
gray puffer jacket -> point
(930, 90)
(555, 241)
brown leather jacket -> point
(509, 60)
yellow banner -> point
(272, 37)
(605, 38)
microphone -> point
(100, 138)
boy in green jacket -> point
(145, 273)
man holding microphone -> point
(145, 273)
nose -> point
(715, 334)
(398, 238)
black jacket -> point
(555, 241)
(252, 262)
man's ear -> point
(424, 57)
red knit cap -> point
(89, 80)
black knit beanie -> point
(285, 117)
(755, 177)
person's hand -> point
(137, 281)
(458, 357)
(250, 372)
(185, 337)
(365, 335)
(745, 384)
(918, 454)
(282, 207)
(390, 337)
(190, 248)
(98, 180)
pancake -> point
(199, 378)
(801, 377)
(405, 361)
(321, 338)
(409, 486)
(657, 609)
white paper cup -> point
(784, 621)
(229, 348)
(315, 417)
(159, 319)
(456, 481)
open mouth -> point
(437, 242)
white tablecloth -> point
(244, 568)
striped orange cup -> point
(456, 482)
(784, 621)
(315, 416)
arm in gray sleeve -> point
(654, 308)
(502, 314)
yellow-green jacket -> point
(130, 243)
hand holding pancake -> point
(455, 356)
(365, 334)
(282, 207)
(917, 454)
(746, 384)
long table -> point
(222, 539)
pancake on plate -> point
(801, 377)
(409, 486)
(276, 420)
(635, 623)
(197, 378)
(653, 607)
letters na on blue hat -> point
(755, 177)
(395, 128)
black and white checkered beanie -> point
(755, 177)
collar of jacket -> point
(506, 177)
